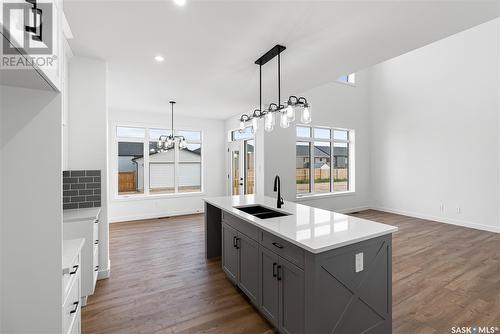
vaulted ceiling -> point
(210, 46)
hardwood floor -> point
(443, 276)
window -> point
(323, 153)
(163, 172)
(247, 133)
(348, 79)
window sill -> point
(346, 83)
(142, 197)
(326, 195)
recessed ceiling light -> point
(159, 58)
(180, 2)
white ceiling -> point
(210, 46)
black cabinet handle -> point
(96, 268)
(238, 244)
(279, 273)
(96, 221)
(274, 269)
(234, 242)
(75, 304)
(96, 242)
(275, 244)
(75, 269)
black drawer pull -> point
(274, 269)
(238, 244)
(96, 242)
(96, 221)
(279, 273)
(75, 304)
(234, 242)
(275, 244)
(75, 269)
(96, 268)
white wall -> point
(334, 105)
(87, 133)
(1, 205)
(31, 213)
(212, 159)
(435, 130)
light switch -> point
(359, 262)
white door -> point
(236, 168)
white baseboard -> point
(355, 209)
(153, 215)
(104, 273)
(444, 220)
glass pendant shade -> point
(242, 126)
(255, 124)
(284, 121)
(306, 115)
(160, 144)
(169, 142)
(269, 121)
(290, 113)
(182, 143)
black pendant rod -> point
(172, 104)
(260, 87)
(279, 81)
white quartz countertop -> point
(80, 214)
(315, 230)
(71, 248)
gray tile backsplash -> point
(81, 189)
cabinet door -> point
(269, 285)
(291, 297)
(229, 252)
(248, 278)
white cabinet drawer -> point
(71, 306)
(96, 257)
(76, 327)
(69, 274)
(96, 230)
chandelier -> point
(285, 113)
(168, 142)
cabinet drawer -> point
(96, 229)
(69, 275)
(96, 255)
(71, 305)
(241, 226)
(283, 248)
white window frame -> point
(351, 164)
(351, 80)
(147, 194)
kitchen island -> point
(307, 270)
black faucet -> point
(277, 187)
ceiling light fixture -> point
(159, 58)
(180, 3)
(286, 114)
(165, 142)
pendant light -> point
(166, 143)
(286, 114)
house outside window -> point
(141, 163)
(323, 160)
(349, 79)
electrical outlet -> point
(359, 262)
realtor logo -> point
(28, 28)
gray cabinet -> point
(248, 261)
(282, 292)
(269, 297)
(240, 261)
(291, 297)
(302, 292)
(230, 253)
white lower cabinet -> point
(71, 271)
(88, 229)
